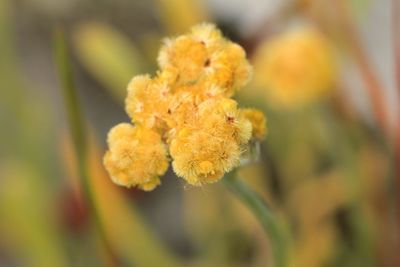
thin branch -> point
(371, 80)
(264, 215)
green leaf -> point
(108, 56)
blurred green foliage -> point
(109, 56)
(322, 169)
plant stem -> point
(263, 213)
(77, 129)
(394, 204)
(373, 85)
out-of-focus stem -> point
(396, 42)
(396, 50)
(263, 213)
(77, 129)
(372, 83)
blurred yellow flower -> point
(316, 248)
(314, 214)
(187, 108)
(295, 68)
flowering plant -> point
(185, 114)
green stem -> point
(77, 129)
(263, 213)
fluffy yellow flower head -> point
(205, 56)
(185, 112)
(136, 156)
(295, 68)
(205, 150)
(146, 102)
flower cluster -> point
(296, 68)
(185, 114)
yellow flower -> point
(295, 68)
(229, 69)
(222, 117)
(136, 156)
(209, 35)
(200, 157)
(205, 56)
(258, 122)
(187, 105)
(147, 101)
(185, 57)
(211, 146)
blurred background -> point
(325, 74)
